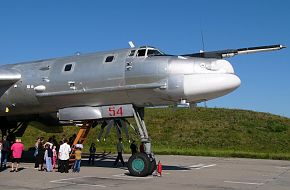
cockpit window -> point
(152, 52)
(132, 53)
(141, 52)
(145, 52)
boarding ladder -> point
(81, 137)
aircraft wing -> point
(233, 52)
(8, 77)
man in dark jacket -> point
(133, 147)
(5, 151)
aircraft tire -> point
(139, 164)
(152, 167)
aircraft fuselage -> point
(126, 76)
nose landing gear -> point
(142, 163)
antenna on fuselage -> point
(201, 51)
(131, 44)
(202, 39)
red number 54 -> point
(113, 112)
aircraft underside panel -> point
(90, 113)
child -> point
(54, 157)
(48, 157)
(78, 157)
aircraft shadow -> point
(104, 160)
(109, 160)
(172, 168)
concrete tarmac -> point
(179, 172)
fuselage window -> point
(132, 53)
(109, 59)
(68, 67)
(141, 52)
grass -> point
(202, 131)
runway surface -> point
(179, 172)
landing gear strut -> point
(143, 163)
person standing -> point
(133, 147)
(48, 158)
(120, 149)
(54, 157)
(78, 158)
(58, 160)
(40, 156)
(17, 149)
(5, 151)
(63, 156)
(92, 154)
(36, 164)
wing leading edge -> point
(233, 52)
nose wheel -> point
(138, 165)
(142, 163)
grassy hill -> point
(202, 131)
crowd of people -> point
(56, 155)
(51, 155)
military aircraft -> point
(87, 89)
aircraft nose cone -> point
(231, 82)
(209, 86)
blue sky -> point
(40, 29)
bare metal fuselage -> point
(91, 80)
